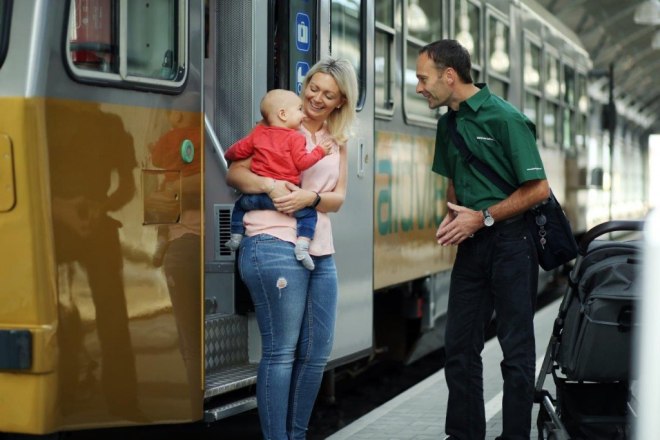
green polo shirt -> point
(498, 134)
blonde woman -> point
(295, 307)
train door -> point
(235, 72)
(124, 133)
(345, 30)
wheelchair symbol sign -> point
(303, 32)
(301, 70)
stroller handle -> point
(604, 228)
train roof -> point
(612, 33)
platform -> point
(419, 412)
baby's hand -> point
(328, 145)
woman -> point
(296, 308)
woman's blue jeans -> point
(296, 310)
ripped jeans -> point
(296, 310)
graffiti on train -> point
(408, 194)
(410, 204)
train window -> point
(424, 19)
(5, 15)
(498, 56)
(423, 26)
(346, 35)
(141, 41)
(467, 28)
(532, 65)
(383, 68)
(569, 87)
(552, 91)
(531, 79)
(415, 105)
(582, 108)
(152, 36)
(498, 87)
(532, 109)
(551, 117)
(568, 124)
(385, 12)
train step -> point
(225, 342)
(230, 379)
(230, 409)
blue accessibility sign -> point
(301, 70)
(303, 32)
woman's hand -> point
(296, 200)
(280, 189)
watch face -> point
(488, 219)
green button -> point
(187, 151)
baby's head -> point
(282, 108)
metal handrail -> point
(219, 152)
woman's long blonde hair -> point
(341, 119)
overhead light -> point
(499, 60)
(552, 84)
(530, 74)
(464, 37)
(648, 12)
(417, 19)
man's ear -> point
(450, 74)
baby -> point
(278, 151)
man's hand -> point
(459, 223)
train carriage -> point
(121, 305)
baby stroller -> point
(589, 351)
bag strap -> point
(473, 160)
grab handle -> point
(219, 152)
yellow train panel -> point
(410, 202)
(87, 276)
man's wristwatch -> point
(488, 219)
(316, 201)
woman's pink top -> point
(321, 177)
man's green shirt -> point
(498, 134)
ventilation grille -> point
(234, 54)
(222, 215)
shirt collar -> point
(475, 101)
(306, 132)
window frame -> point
(535, 91)
(386, 110)
(582, 117)
(550, 53)
(497, 15)
(478, 67)
(362, 72)
(410, 117)
(568, 106)
(122, 79)
(5, 25)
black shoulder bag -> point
(550, 228)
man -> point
(496, 266)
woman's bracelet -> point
(316, 201)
